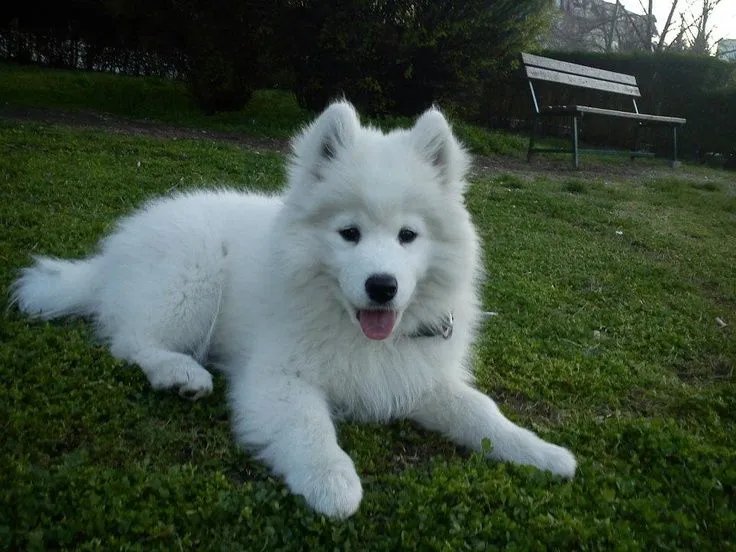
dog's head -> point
(381, 216)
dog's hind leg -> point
(163, 319)
(166, 369)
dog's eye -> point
(407, 236)
(350, 234)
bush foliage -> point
(399, 57)
(388, 57)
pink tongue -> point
(377, 324)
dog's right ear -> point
(321, 142)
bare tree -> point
(701, 34)
(694, 34)
(606, 26)
(597, 25)
(612, 27)
(666, 28)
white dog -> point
(353, 295)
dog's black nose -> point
(381, 288)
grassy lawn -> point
(611, 293)
(269, 114)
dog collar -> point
(442, 328)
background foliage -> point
(389, 57)
(399, 57)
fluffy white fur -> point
(268, 289)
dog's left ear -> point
(433, 139)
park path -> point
(136, 127)
(550, 166)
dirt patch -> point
(556, 167)
(709, 369)
(412, 452)
(542, 165)
(138, 127)
(522, 404)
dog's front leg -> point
(468, 417)
(287, 422)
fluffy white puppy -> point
(352, 295)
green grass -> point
(608, 291)
(269, 114)
(484, 142)
(606, 342)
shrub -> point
(399, 57)
(218, 84)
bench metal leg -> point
(674, 146)
(637, 128)
(575, 142)
(535, 125)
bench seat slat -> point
(579, 109)
(576, 69)
(582, 82)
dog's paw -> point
(189, 378)
(333, 489)
(557, 460)
(200, 385)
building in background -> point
(726, 49)
(599, 26)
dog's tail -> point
(52, 288)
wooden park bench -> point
(570, 74)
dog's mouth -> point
(376, 324)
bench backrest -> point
(572, 74)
